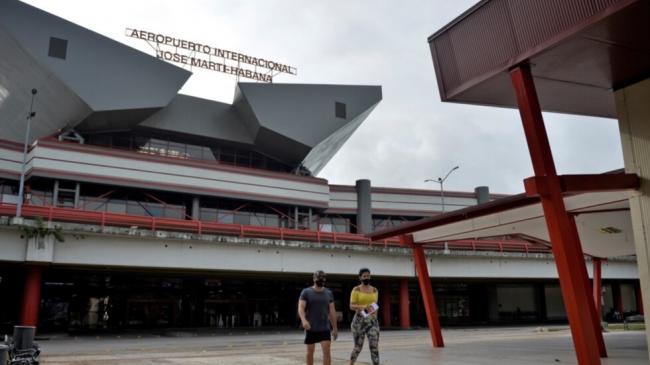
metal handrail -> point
(106, 219)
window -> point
(208, 214)
(339, 110)
(58, 48)
(116, 206)
(242, 218)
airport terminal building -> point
(146, 208)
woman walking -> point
(363, 300)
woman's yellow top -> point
(360, 298)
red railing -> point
(105, 219)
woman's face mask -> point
(365, 281)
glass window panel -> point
(176, 150)
(208, 154)
(155, 210)
(98, 205)
(37, 199)
(208, 214)
(140, 141)
(243, 159)
(174, 211)
(122, 141)
(225, 216)
(228, 158)
(258, 163)
(135, 208)
(242, 218)
(194, 152)
(100, 140)
(116, 206)
(272, 220)
(257, 219)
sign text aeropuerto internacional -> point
(268, 67)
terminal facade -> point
(178, 211)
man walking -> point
(318, 317)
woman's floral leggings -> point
(362, 327)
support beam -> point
(598, 302)
(31, 297)
(598, 286)
(583, 183)
(404, 313)
(569, 257)
(385, 304)
(196, 208)
(426, 291)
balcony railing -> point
(106, 219)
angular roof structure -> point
(94, 84)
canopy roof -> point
(602, 218)
(579, 50)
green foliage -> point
(40, 229)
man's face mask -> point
(319, 282)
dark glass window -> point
(339, 109)
(58, 48)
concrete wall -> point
(255, 255)
(126, 169)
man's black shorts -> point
(312, 337)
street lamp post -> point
(440, 181)
(21, 186)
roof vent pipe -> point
(482, 194)
(364, 207)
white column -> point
(633, 109)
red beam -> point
(569, 257)
(598, 286)
(534, 185)
(494, 206)
(598, 309)
(31, 297)
(426, 291)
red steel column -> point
(426, 290)
(404, 314)
(385, 305)
(598, 286)
(597, 263)
(563, 233)
(31, 297)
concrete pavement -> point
(522, 345)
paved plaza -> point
(522, 345)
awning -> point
(579, 51)
(602, 218)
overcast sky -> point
(411, 135)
